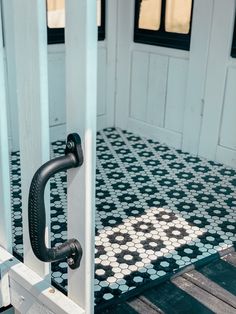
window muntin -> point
(163, 22)
(56, 20)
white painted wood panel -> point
(56, 87)
(111, 45)
(195, 89)
(219, 52)
(5, 202)
(56, 79)
(228, 127)
(81, 84)
(56, 73)
(157, 89)
(226, 156)
(139, 85)
(32, 99)
(160, 134)
(8, 29)
(102, 82)
(29, 293)
(176, 93)
(124, 40)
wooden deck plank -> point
(203, 282)
(123, 308)
(210, 301)
(142, 307)
(222, 273)
(173, 300)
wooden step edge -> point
(141, 306)
(210, 286)
(210, 301)
(227, 251)
(231, 259)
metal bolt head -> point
(70, 145)
(70, 261)
(52, 290)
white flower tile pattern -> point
(157, 210)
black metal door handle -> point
(71, 249)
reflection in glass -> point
(150, 14)
(56, 13)
(178, 15)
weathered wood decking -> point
(209, 289)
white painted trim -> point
(163, 135)
(29, 292)
(5, 202)
(58, 132)
(9, 41)
(102, 122)
(111, 43)
(200, 40)
(32, 98)
(226, 156)
(56, 48)
(81, 102)
(124, 40)
(162, 51)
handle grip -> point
(71, 249)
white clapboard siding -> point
(139, 85)
(157, 84)
(5, 203)
(32, 98)
(228, 127)
(81, 102)
(176, 93)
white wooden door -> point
(27, 285)
(151, 84)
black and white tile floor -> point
(157, 210)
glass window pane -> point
(178, 15)
(150, 14)
(56, 13)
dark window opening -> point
(233, 51)
(56, 20)
(164, 23)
